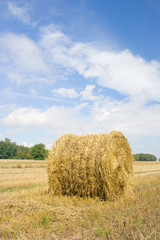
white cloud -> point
(126, 117)
(56, 56)
(19, 12)
(87, 93)
(126, 73)
(65, 92)
(122, 71)
(25, 144)
(25, 117)
(102, 116)
(22, 52)
(56, 119)
(23, 60)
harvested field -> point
(27, 211)
(146, 167)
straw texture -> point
(95, 165)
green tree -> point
(144, 157)
(23, 152)
(8, 149)
(39, 152)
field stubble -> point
(27, 211)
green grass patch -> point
(45, 220)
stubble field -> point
(27, 211)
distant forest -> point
(144, 157)
(10, 150)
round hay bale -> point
(95, 165)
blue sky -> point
(80, 67)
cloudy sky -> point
(80, 67)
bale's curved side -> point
(91, 165)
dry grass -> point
(28, 212)
(16, 163)
(146, 167)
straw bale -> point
(95, 165)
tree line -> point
(144, 157)
(10, 150)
